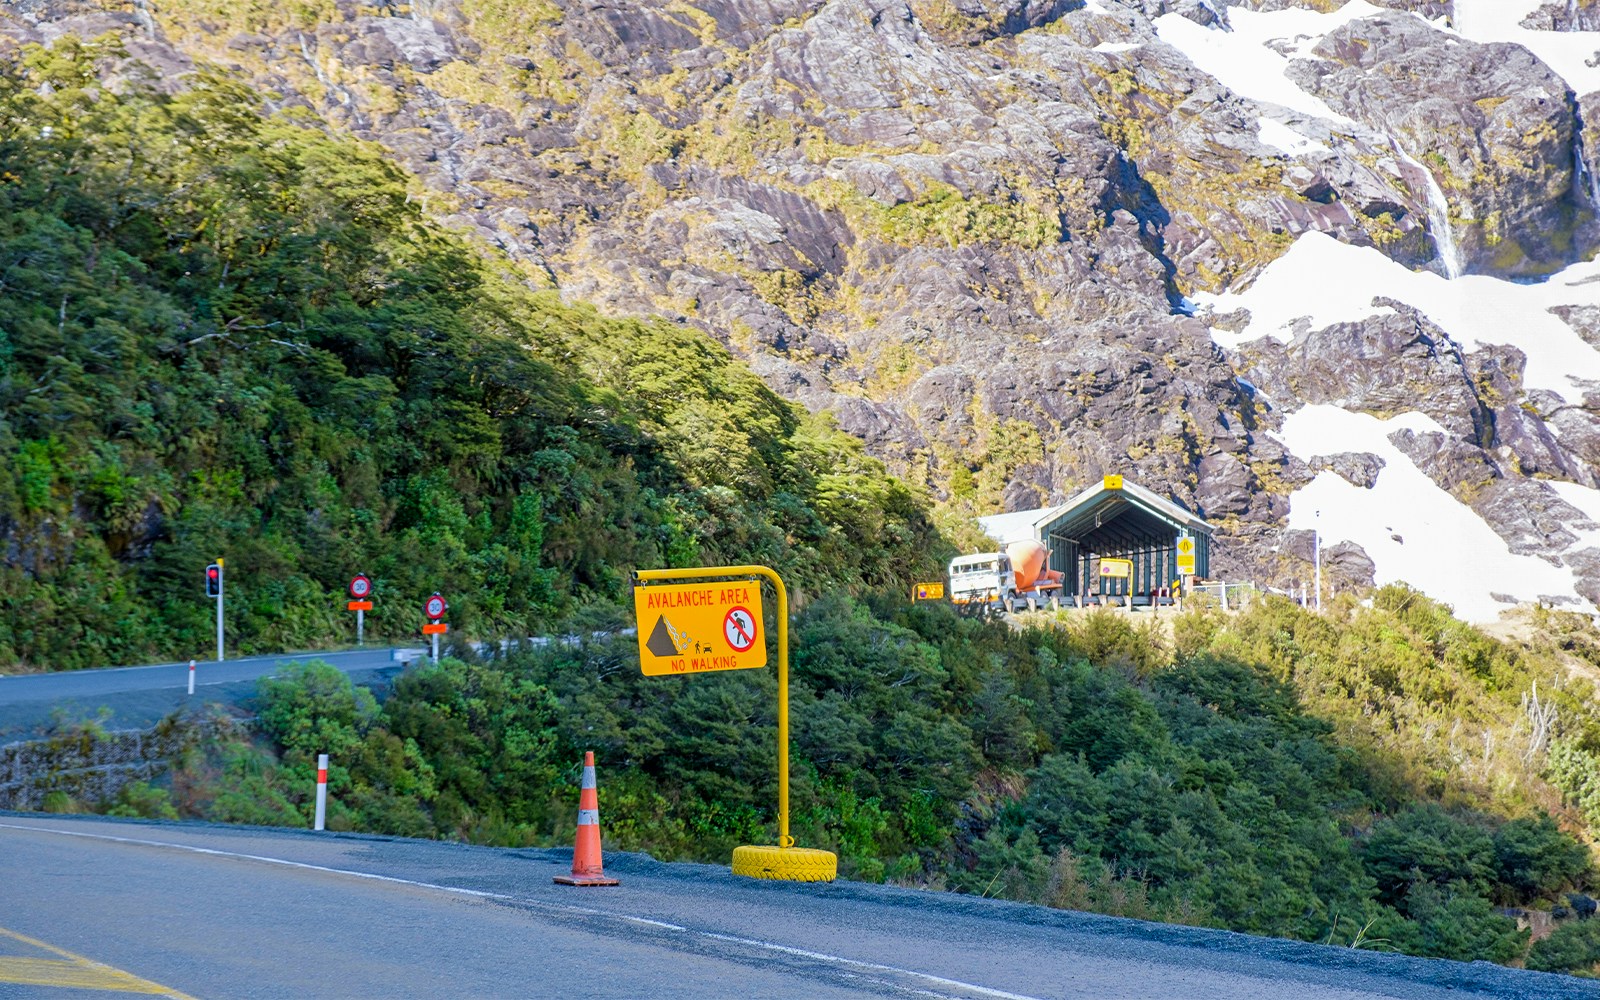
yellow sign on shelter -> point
(1186, 555)
(689, 628)
(928, 591)
(1116, 567)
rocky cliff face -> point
(1009, 243)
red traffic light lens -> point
(212, 572)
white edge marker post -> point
(322, 791)
(191, 677)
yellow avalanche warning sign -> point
(690, 628)
(1186, 555)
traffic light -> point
(214, 580)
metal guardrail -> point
(1231, 596)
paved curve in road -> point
(140, 696)
(95, 907)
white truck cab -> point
(984, 578)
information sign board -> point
(930, 591)
(689, 628)
(1122, 568)
(1186, 555)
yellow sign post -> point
(1122, 568)
(928, 591)
(709, 626)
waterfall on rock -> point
(1585, 184)
(1444, 239)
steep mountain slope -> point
(1016, 244)
(222, 334)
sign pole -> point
(1316, 557)
(360, 602)
(191, 677)
(221, 574)
(434, 609)
(785, 841)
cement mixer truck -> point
(1011, 579)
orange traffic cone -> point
(586, 866)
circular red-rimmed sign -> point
(435, 607)
(739, 628)
(360, 587)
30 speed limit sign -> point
(435, 607)
(361, 587)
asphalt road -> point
(90, 907)
(136, 697)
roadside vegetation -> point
(1272, 771)
(229, 335)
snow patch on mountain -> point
(1414, 531)
(1282, 137)
(1587, 500)
(1321, 281)
(1250, 59)
(1569, 53)
(1410, 527)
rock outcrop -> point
(1489, 128)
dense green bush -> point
(223, 334)
(1425, 844)
(1534, 858)
(1572, 947)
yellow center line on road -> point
(74, 972)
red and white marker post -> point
(191, 677)
(322, 791)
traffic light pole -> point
(221, 573)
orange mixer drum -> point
(1027, 563)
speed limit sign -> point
(435, 607)
(360, 587)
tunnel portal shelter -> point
(1113, 519)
